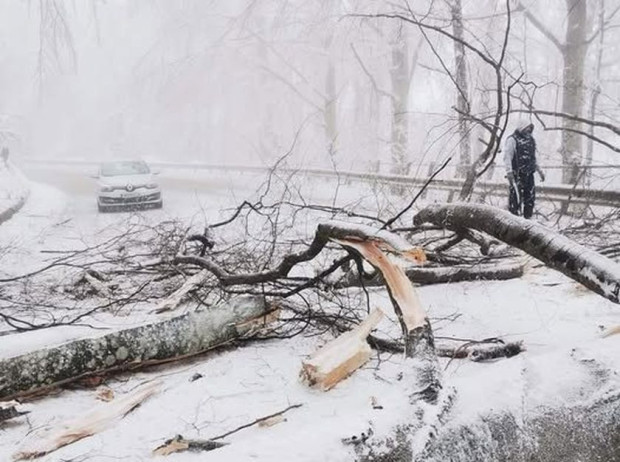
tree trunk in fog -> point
(400, 79)
(593, 270)
(154, 343)
(596, 90)
(329, 111)
(574, 54)
(462, 83)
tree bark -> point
(574, 54)
(443, 275)
(177, 337)
(399, 74)
(593, 270)
(462, 83)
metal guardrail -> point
(552, 193)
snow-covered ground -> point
(14, 189)
(566, 361)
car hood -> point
(124, 180)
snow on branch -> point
(595, 271)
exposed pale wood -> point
(96, 421)
(178, 295)
(611, 331)
(408, 306)
(342, 356)
(417, 333)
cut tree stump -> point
(162, 341)
(339, 358)
(595, 271)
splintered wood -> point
(408, 306)
(98, 420)
(339, 358)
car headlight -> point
(107, 189)
(151, 185)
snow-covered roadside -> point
(566, 365)
(14, 190)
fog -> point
(248, 82)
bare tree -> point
(462, 87)
(573, 52)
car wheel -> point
(159, 204)
(102, 209)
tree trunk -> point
(595, 92)
(399, 74)
(574, 54)
(177, 337)
(329, 110)
(593, 270)
(462, 83)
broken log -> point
(595, 271)
(442, 275)
(162, 341)
(417, 332)
(339, 358)
(97, 420)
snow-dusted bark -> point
(430, 275)
(173, 338)
(593, 270)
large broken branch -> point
(175, 338)
(324, 232)
(417, 332)
(595, 271)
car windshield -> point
(124, 168)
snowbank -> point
(14, 191)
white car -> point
(127, 183)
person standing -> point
(520, 161)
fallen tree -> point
(175, 338)
(595, 271)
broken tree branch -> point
(595, 271)
(175, 338)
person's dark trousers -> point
(522, 193)
(528, 196)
